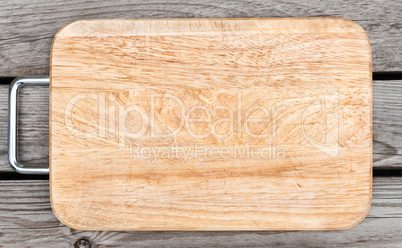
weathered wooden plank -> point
(34, 127)
(27, 28)
(26, 217)
(387, 124)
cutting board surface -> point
(211, 124)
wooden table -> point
(26, 33)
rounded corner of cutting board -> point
(63, 217)
(359, 217)
(68, 28)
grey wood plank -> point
(387, 124)
(26, 218)
(27, 27)
(34, 125)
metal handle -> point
(12, 123)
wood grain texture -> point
(27, 28)
(34, 125)
(27, 220)
(211, 124)
(387, 124)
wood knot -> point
(82, 243)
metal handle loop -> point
(12, 123)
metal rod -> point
(12, 123)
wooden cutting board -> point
(211, 124)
